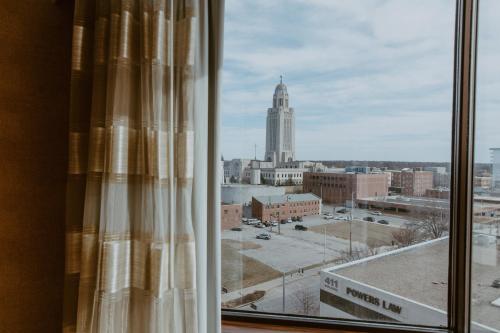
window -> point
(485, 293)
(369, 89)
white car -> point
(253, 222)
(376, 213)
(263, 236)
(274, 224)
(341, 218)
(289, 220)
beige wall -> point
(35, 39)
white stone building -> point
(280, 128)
(234, 168)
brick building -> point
(339, 188)
(438, 193)
(412, 183)
(230, 215)
(279, 207)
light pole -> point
(350, 225)
(284, 292)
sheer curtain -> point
(143, 129)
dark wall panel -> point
(35, 52)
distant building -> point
(269, 208)
(280, 128)
(310, 166)
(440, 177)
(281, 176)
(340, 188)
(233, 169)
(495, 167)
(438, 193)
(230, 215)
(482, 182)
(243, 193)
(411, 182)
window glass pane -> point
(486, 219)
(336, 149)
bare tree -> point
(406, 236)
(434, 226)
(357, 253)
(306, 303)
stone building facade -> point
(280, 128)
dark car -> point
(236, 229)
(299, 219)
(496, 283)
(300, 227)
(383, 222)
(369, 219)
(342, 211)
(283, 221)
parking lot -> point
(289, 251)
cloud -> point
(348, 64)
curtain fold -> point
(136, 241)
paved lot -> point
(290, 249)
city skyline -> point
(362, 89)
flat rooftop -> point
(420, 273)
(277, 199)
(411, 201)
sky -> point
(368, 79)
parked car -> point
(329, 217)
(263, 236)
(259, 225)
(496, 283)
(299, 219)
(376, 212)
(342, 211)
(341, 218)
(236, 229)
(383, 222)
(253, 221)
(289, 220)
(283, 221)
(300, 227)
(244, 220)
(274, 224)
(369, 219)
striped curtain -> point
(138, 119)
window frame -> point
(461, 199)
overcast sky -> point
(368, 79)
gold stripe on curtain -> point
(130, 244)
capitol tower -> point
(280, 128)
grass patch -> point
(240, 271)
(370, 233)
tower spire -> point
(281, 79)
